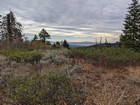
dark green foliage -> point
(60, 87)
(22, 55)
(35, 38)
(107, 56)
(43, 35)
(57, 43)
(10, 29)
(48, 42)
(131, 33)
(65, 44)
(39, 89)
(28, 90)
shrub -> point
(39, 89)
(56, 46)
(28, 90)
(38, 44)
(22, 55)
(65, 44)
(109, 56)
(60, 87)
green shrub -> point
(28, 90)
(60, 87)
(41, 89)
(22, 55)
(107, 55)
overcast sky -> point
(73, 20)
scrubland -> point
(83, 76)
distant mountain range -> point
(80, 44)
(91, 44)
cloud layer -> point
(74, 20)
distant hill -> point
(80, 44)
(117, 44)
(75, 46)
(92, 44)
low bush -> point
(38, 44)
(60, 88)
(40, 89)
(27, 90)
(56, 46)
(109, 56)
(22, 55)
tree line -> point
(11, 33)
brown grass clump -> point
(108, 95)
(108, 86)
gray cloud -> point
(87, 17)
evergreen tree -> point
(10, 29)
(57, 43)
(43, 35)
(65, 44)
(35, 38)
(131, 33)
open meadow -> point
(70, 77)
(69, 52)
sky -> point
(73, 20)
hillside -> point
(91, 84)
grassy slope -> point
(107, 56)
(101, 86)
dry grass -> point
(101, 86)
(109, 95)
(108, 87)
(134, 75)
(134, 72)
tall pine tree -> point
(10, 29)
(131, 33)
